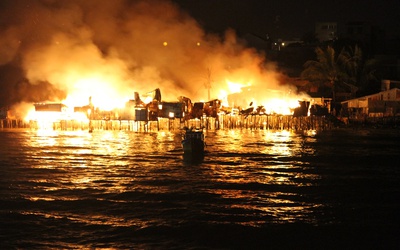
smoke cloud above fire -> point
(52, 50)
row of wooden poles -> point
(254, 122)
(13, 123)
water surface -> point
(253, 189)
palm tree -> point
(326, 70)
(348, 69)
(360, 71)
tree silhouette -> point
(360, 71)
(347, 70)
(325, 71)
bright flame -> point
(94, 54)
(46, 119)
(104, 95)
(273, 101)
(235, 87)
(232, 88)
(280, 106)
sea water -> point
(252, 190)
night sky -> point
(289, 19)
(126, 38)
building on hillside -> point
(281, 44)
(326, 31)
(260, 43)
(367, 36)
(358, 31)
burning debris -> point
(63, 52)
(140, 115)
(151, 108)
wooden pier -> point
(226, 122)
(13, 123)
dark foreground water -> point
(254, 189)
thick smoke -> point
(50, 49)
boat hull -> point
(193, 144)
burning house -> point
(302, 110)
(50, 107)
(187, 105)
(171, 110)
(109, 68)
(208, 109)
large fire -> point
(274, 101)
(69, 52)
(105, 98)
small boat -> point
(193, 142)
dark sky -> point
(289, 18)
(84, 36)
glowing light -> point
(311, 132)
(104, 95)
(280, 106)
(270, 101)
(235, 87)
(101, 92)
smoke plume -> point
(51, 49)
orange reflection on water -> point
(264, 172)
(281, 141)
(92, 219)
(81, 160)
(258, 175)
